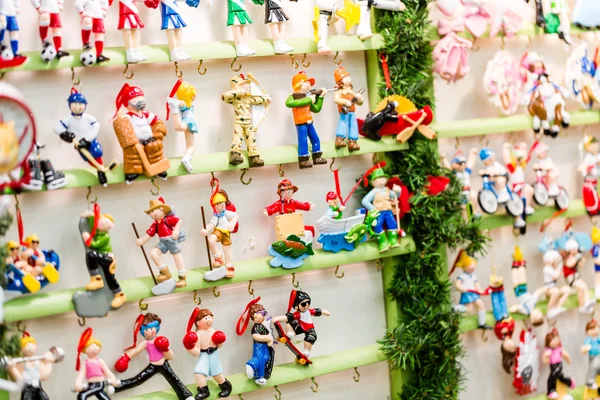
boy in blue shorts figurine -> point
(8, 22)
(591, 346)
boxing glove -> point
(189, 340)
(122, 363)
(162, 344)
(219, 337)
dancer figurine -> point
(49, 18)
(180, 105)
(92, 13)
(94, 376)
(346, 99)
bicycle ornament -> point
(495, 190)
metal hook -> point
(143, 306)
(201, 71)
(20, 327)
(213, 180)
(242, 177)
(178, 72)
(295, 283)
(235, 69)
(281, 171)
(216, 292)
(125, 72)
(484, 335)
(157, 186)
(89, 194)
(305, 62)
(337, 61)
(17, 202)
(475, 46)
(457, 144)
(81, 321)
(502, 43)
(278, 395)
(378, 264)
(240, 396)
(357, 377)
(331, 165)
(2, 75)
(529, 42)
(295, 64)
(197, 299)
(250, 290)
(337, 269)
(315, 388)
(75, 82)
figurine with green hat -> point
(383, 199)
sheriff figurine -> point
(303, 102)
(242, 99)
(94, 376)
(92, 13)
(205, 343)
(346, 100)
(49, 18)
(140, 134)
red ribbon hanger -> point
(136, 329)
(242, 324)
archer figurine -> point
(49, 18)
(81, 129)
(260, 366)
(382, 198)
(364, 31)
(596, 256)
(173, 24)
(299, 320)
(140, 134)
(94, 376)
(303, 102)
(219, 230)
(589, 169)
(180, 105)
(130, 24)
(346, 100)
(335, 210)
(554, 355)
(92, 13)
(159, 354)
(205, 344)
(591, 347)
(238, 19)
(242, 99)
(168, 228)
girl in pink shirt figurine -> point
(159, 353)
(93, 375)
(554, 356)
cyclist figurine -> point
(497, 172)
(516, 160)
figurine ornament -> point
(581, 76)
(554, 355)
(92, 13)
(346, 100)
(180, 106)
(9, 35)
(94, 378)
(590, 153)
(49, 21)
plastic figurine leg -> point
(240, 37)
(181, 281)
(178, 386)
(250, 140)
(364, 31)
(323, 30)
(280, 46)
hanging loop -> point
(315, 388)
(89, 194)
(238, 69)
(125, 72)
(456, 143)
(197, 299)
(201, 70)
(21, 327)
(295, 64)
(216, 292)
(143, 306)
(2, 75)
(281, 171)
(357, 376)
(339, 276)
(305, 62)
(475, 45)
(278, 395)
(75, 79)
(295, 283)
(250, 289)
(331, 165)
(157, 186)
(242, 177)
(337, 61)
(81, 321)
(178, 72)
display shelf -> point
(287, 373)
(500, 219)
(526, 30)
(514, 123)
(44, 304)
(576, 393)
(218, 162)
(202, 51)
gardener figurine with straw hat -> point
(168, 228)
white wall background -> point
(466, 100)
(356, 302)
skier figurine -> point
(42, 172)
(94, 376)
(364, 31)
(335, 209)
(180, 105)
(381, 198)
(49, 18)
(346, 100)
(303, 102)
(140, 134)
(205, 344)
(92, 13)
(245, 126)
(591, 347)
(173, 24)
(219, 230)
(168, 228)
(9, 50)
(554, 355)
(159, 354)
(130, 24)
(275, 17)
(260, 366)
(81, 129)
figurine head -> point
(32, 241)
(520, 152)
(333, 200)
(77, 102)
(131, 97)
(28, 345)
(299, 300)
(504, 328)
(552, 339)
(590, 144)
(106, 223)
(219, 201)
(379, 178)
(459, 161)
(591, 328)
(9, 147)
(509, 354)
(465, 262)
(158, 209)
(572, 246)
(92, 348)
(536, 317)
(342, 77)
(286, 190)
(204, 319)
(239, 82)
(150, 326)
(186, 92)
(541, 150)
(258, 313)
(487, 156)
(533, 63)
(301, 83)
(552, 258)
(13, 248)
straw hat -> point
(154, 204)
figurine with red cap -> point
(516, 158)
(140, 134)
(205, 343)
(159, 353)
(130, 24)
(347, 100)
(303, 102)
(49, 19)
(180, 105)
(92, 13)
(94, 376)
(223, 223)
(335, 209)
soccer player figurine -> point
(173, 24)
(180, 105)
(159, 354)
(81, 129)
(94, 376)
(275, 17)
(49, 18)
(92, 14)
(554, 355)
(346, 100)
(303, 102)
(9, 52)
(205, 344)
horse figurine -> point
(547, 106)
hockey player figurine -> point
(173, 24)
(260, 366)
(364, 31)
(299, 320)
(303, 102)
(92, 13)
(591, 347)
(81, 129)
(130, 24)
(42, 172)
(554, 355)
(346, 100)
(596, 258)
(205, 343)
(94, 376)
(9, 50)
(275, 17)
(168, 228)
(219, 230)
(335, 210)
(238, 19)
(180, 105)
(159, 353)
(245, 126)
(140, 134)
(381, 198)
(49, 18)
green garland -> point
(9, 341)
(426, 340)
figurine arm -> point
(459, 286)
(280, 318)
(566, 356)
(80, 380)
(338, 98)
(169, 355)
(367, 201)
(263, 338)
(585, 348)
(101, 241)
(233, 221)
(301, 205)
(273, 208)
(230, 96)
(260, 100)
(195, 351)
(13, 371)
(472, 158)
(108, 374)
(546, 357)
(293, 103)
(141, 241)
(137, 349)
(316, 107)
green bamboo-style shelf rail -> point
(202, 51)
(44, 304)
(577, 393)
(526, 30)
(218, 162)
(287, 373)
(514, 123)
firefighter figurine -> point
(92, 13)
(246, 105)
(140, 134)
(303, 102)
(346, 100)
(49, 19)
(81, 129)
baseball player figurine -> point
(275, 17)
(364, 31)
(9, 52)
(49, 18)
(130, 24)
(92, 14)
(238, 19)
(81, 129)
(173, 24)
